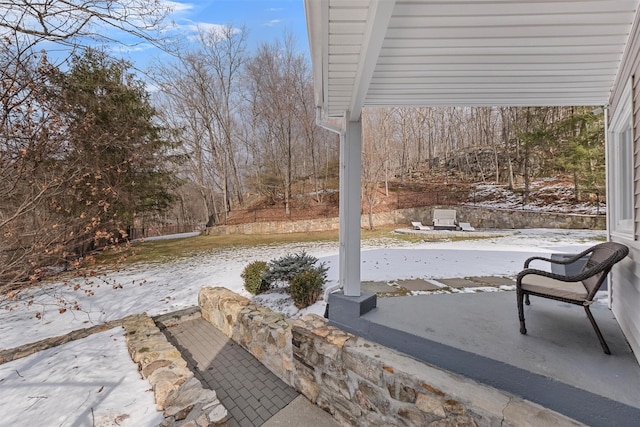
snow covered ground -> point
(93, 381)
(88, 382)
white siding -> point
(625, 277)
(465, 52)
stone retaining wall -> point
(181, 397)
(275, 227)
(478, 217)
(28, 349)
(362, 383)
(511, 218)
(262, 332)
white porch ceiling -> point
(465, 52)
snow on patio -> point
(94, 378)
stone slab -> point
(301, 412)
(417, 285)
(458, 283)
(377, 287)
(493, 281)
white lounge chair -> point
(465, 226)
(417, 225)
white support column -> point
(350, 207)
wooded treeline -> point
(246, 123)
(487, 144)
(86, 152)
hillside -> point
(547, 194)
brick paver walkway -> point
(251, 393)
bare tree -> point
(69, 22)
(314, 136)
(375, 152)
(225, 53)
(202, 98)
(506, 138)
(274, 77)
(189, 136)
(27, 138)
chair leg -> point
(604, 345)
(526, 299)
(520, 297)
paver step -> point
(251, 393)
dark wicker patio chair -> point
(579, 289)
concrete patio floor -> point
(559, 364)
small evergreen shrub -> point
(305, 287)
(253, 276)
(283, 269)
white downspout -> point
(607, 178)
(340, 131)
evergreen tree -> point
(582, 140)
(119, 154)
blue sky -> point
(264, 19)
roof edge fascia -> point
(316, 12)
(633, 32)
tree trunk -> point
(527, 179)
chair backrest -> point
(444, 217)
(605, 254)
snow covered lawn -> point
(94, 380)
(88, 382)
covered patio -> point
(383, 53)
(559, 363)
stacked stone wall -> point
(515, 219)
(181, 397)
(262, 332)
(478, 217)
(362, 383)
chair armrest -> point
(553, 261)
(559, 261)
(533, 258)
(556, 276)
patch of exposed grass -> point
(602, 238)
(380, 232)
(411, 238)
(470, 237)
(164, 250)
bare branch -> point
(68, 22)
